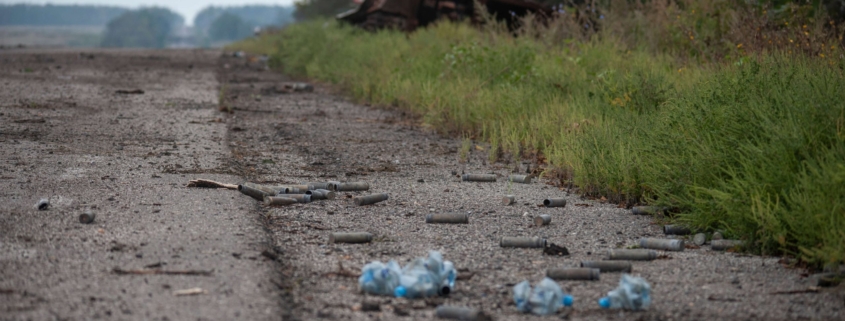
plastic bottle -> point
(633, 293)
(546, 298)
(378, 278)
(425, 277)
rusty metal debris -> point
(408, 15)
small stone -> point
(699, 239)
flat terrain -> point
(67, 135)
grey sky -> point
(187, 8)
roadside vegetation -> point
(731, 115)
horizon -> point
(187, 9)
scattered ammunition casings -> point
(554, 202)
(279, 200)
(458, 313)
(354, 237)
(646, 210)
(320, 185)
(42, 204)
(662, 244)
(448, 218)
(353, 186)
(524, 179)
(86, 217)
(632, 255)
(522, 242)
(265, 189)
(676, 230)
(717, 236)
(321, 194)
(478, 178)
(541, 220)
(250, 191)
(370, 199)
(699, 239)
(300, 198)
(508, 200)
(608, 266)
(573, 274)
(721, 245)
(332, 185)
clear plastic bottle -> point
(546, 298)
(380, 279)
(425, 277)
(633, 293)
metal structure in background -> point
(411, 14)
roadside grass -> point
(752, 144)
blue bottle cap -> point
(567, 300)
(604, 302)
(400, 291)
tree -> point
(229, 26)
(145, 28)
(310, 9)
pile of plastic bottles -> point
(633, 293)
(423, 277)
(545, 299)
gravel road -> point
(67, 135)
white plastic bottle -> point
(633, 293)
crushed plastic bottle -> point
(546, 298)
(378, 278)
(423, 277)
(633, 293)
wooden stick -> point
(206, 183)
(157, 271)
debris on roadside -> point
(447, 218)
(631, 255)
(460, 313)
(129, 92)
(43, 204)
(422, 278)
(370, 199)
(542, 220)
(554, 249)
(524, 179)
(191, 291)
(699, 239)
(508, 200)
(633, 293)
(662, 244)
(352, 237)
(676, 230)
(554, 202)
(205, 183)
(546, 298)
(589, 274)
(478, 178)
(87, 217)
(525, 242)
(158, 271)
(608, 266)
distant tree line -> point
(57, 15)
(232, 23)
(144, 28)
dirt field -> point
(67, 135)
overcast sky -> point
(187, 8)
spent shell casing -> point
(295, 189)
(300, 198)
(266, 189)
(370, 199)
(353, 237)
(608, 266)
(573, 274)
(279, 200)
(87, 217)
(554, 202)
(541, 220)
(662, 244)
(530, 242)
(721, 245)
(632, 255)
(676, 230)
(250, 191)
(319, 185)
(524, 179)
(508, 200)
(321, 194)
(42, 204)
(447, 218)
(353, 186)
(458, 313)
(646, 210)
(332, 185)
(478, 178)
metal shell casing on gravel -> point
(541, 220)
(528, 242)
(721, 245)
(294, 189)
(42, 204)
(554, 202)
(321, 185)
(608, 266)
(508, 200)
(279, 200)
(457, 313)
(573, 274)
(87, 217)
(662, 244)
(266, 189)
(676, 230)
(524, 179)
(478, 178)
(250, 191)
(370, 199)
(300, 198)
(352, 237)
(353, 186)
(632, 254)
(321, 194)
(447, 218)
